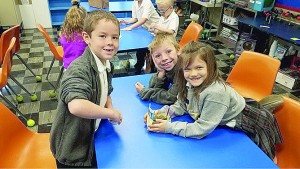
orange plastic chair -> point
(192, 32)
(4, 73)
(57, 52)
(288, 117)
(253, 75)
(4, 43)
(20, 147)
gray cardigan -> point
(218, 104)
(163, 91)
(72, 137)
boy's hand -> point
(139, 87)
(123, 22)
(116, 117)
(127, 29)
(158, 127)
(145, 118)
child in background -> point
(164, 52)
(70, 35)
(85, 94)
(143, 14)
(211, 102)
(168, 21)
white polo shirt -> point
(172, 22)
(146, 10)
(103, 82)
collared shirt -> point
(172, 22)
(146, 10)
(104, 83)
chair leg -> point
(13, 106)
(33, 97)
(38, 78)
(59, 78)
(18, 96)
(50, 68)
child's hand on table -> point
(116, 117)
(139, 87)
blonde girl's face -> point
(165, 56)
(104, 40)
(196, 72)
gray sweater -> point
(72, 137)
(163, 91)
(218, 104)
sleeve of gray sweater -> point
(158, 91)
(214, 107)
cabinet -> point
(9, 13)
(228, 28)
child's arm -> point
(159, 91)
(158, 28)
(131, 20)
(108, 103)
(86, 109)
(136, 24)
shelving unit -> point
(227, 32)
(59, 8)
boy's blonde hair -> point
(74, 21)
(160, 38)
(189, 53)
(95, 16)
(165, 2)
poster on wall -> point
(293, 5)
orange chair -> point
(4, 43)
(20, 147)
(58, 53)
(253, 75)
(192, 32)
(288, 118)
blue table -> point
(278, 29)
(137, 38)
(130, 145)
(118, 8)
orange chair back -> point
(191, 33)
(6, 64)
(56, 50)
(288, 118)
(6, 38)
(253, 75)
(20, 147)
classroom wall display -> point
(293, 5)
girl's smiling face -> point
(196, 72)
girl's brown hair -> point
(74, 21)
(189, 54)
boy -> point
(84, 95)
(168, 21)
(162, 88)
(143, 14)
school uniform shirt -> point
(172, 22)
(218, 104)
(104, 83)
(146, 10)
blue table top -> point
(278, 29)
(130, 145)
(137, 38)
(122, 6)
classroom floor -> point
(35, 51)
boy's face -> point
(164, 9)
(165, 56)
(196, 72)
(104, 40)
